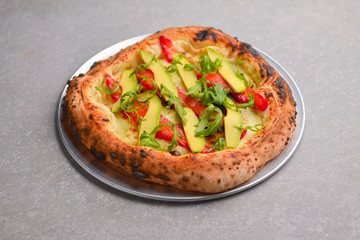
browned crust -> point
(210, 173)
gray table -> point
(316, 195)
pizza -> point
(188, 107)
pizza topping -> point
(227, 72)
(191, 102)
(218, 94)
(244, 131)
(209, 81)
(217, 78)
(151, 118)
(167, 133)
(220, 144)
(232, 118)
(167, 48)
(149, 59)
(255, 128)
(260, 102)
(146, 79)
(202, 89)
(250, 103)
(174, 101)
(196, 143)
(210, 122)
(148, 140)
(112, 87)
(188, 77)
(127, 84)
(161, 76)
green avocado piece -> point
(160, 74)
(127, 84)
(196, 144)
(233, 118)
(152, 116)
(188, 77)
(227, 71)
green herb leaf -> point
(143, 66)
(147, 140)
(219, 144)
(174, 142)
(149, 93)
(101, 88)
(173, 67)
(206, 66)
(242, 77)
(173, 100)
(190, 67)
(195, 90)
(250, 103)
(218, 94)
(243, 105)
(256, 128)
(127, 103)
(108, 90)
(201, 90)
(209, 122)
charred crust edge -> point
(203, 35)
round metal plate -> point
(115, 178)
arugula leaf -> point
(250, 103)
(243, 105)
(195, 90)
(219, 144)
(219, 94)
(173, 100)
(242, 77)
(127, 104)
(205, 65)
(128, 100)
(147, 140)
(173, 67)
(209, 122)
(201, 90)
(108, 90)
(143, 66)
(256, 128)
(174, 142)
(208, 66)
(149, 93)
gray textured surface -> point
(316, 195)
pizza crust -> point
(93, 123)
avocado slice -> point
(233, 118)
(188, 77)
(152, 116)
(196, 144)
(127, 84)
(160, 74)
(227, 71)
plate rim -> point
(113, 49)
